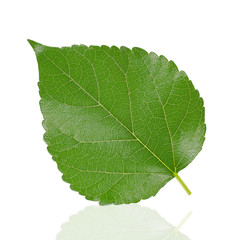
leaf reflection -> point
(119, 222)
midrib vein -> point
(108, 112)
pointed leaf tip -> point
(37, 47)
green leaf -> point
(120, 123)
(126, 222)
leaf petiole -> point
(182, 183)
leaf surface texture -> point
(120, 123)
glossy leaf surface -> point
(120, 123)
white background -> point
(201, 37)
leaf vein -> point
(107, 111)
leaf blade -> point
(110, 101)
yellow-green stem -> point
(182, 183)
